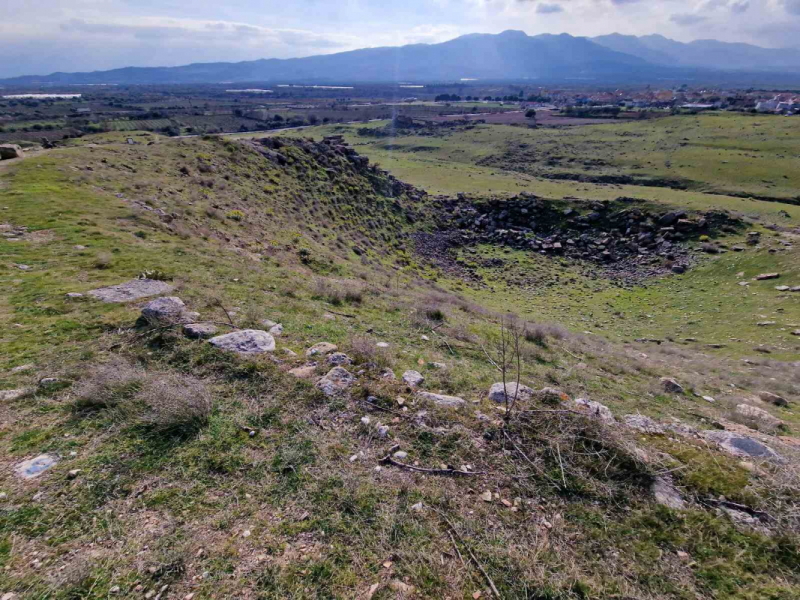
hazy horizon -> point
(89, 35)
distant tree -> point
(530, 114)
(313, 119)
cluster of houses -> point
(782, 104)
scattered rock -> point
(486, 496)
(643, 424)
(168, 309)
(131, 290)
(11, 395)
(382, 345)
(388, 374)
(276, 330)
(22, 369)
(667, 494)
(400, 455)
(773, 398)
(762, 417)
(73, 296)
(199, 331)
(321, 349)
(741, 445)
(48, 382)
(246, 341)
(337, 381)
(339, 359)
(767, 276)
(442, 400)
(34, 467)
(550, 395)
(595, 410)
(307, 371)
(9, 151)
(671, 386)
(766, 323)
(498, 392)
(782, 288)
(413, 378)
(438, 365)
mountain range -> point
(511, 55)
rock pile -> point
(621, 233)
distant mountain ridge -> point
(511, 55)
(704, 54)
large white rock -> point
(498, 393)
(131, 290)
(246, 341)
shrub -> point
(102, 260)
(107, 386)
(235, 215)
(175, 403)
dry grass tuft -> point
(177, 403)
(108, 385)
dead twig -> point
(225, 310)
(341, 314)
(494, 364)
(471, 554)
(387, 410)
(388, 460)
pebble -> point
(400, 455)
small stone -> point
(667, 494)
(337, 381)
(425, 338)
(73, 295)
(773, 398)
(596, 410)
(671, 386)
(442, 400)
(511, 391)
(767, 276)
(413, 378)
(741, 445)
(321, 349)
(365, 420)
(383, 431)
(400, 455)
(47, 382)
(34, 467)
(486, 496)
(759, 415)
(73, 473)
(643, 424)
(307, 371)
(339, 359)
(276, 330)
(766, 323)
(11, 395)
(782, 288)
(382, 345)
(684, 556)
(165, 310)
(200, 331)
(114, 590)
(708, 399)
(439, 366)
(417, 507)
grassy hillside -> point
(184, 471)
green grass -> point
(157, 508)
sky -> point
(45, 36)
